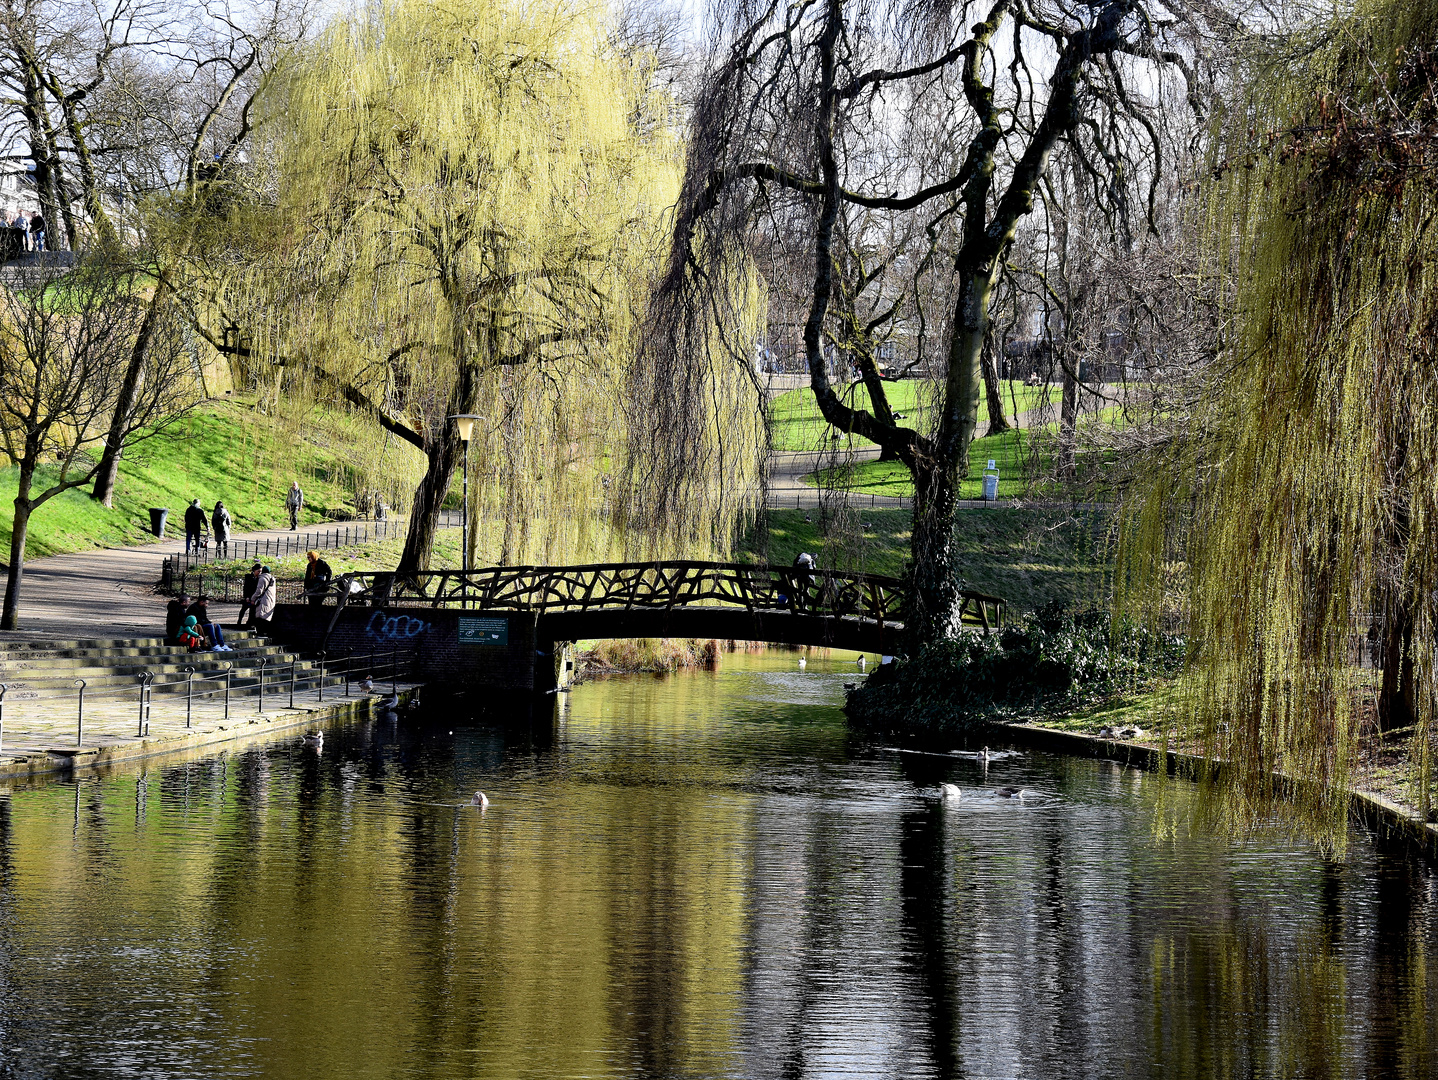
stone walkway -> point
(105, 593)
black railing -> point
(257, 550)
(833, 593)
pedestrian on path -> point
(317, 576)
(194, 526)
(293, 501)
(264, 600)
(221, 522)
(247, 596)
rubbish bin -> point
(991, 482)
(157, 520)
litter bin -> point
(157, 520)
(991, 482)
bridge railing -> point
(653, 585)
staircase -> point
(44, 670)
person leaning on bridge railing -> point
(802, 578)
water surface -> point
(705, 875)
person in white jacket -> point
(263, 600)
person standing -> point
(804, 567)
(37, 232)
(221, 523)
(264, 600)
(247, 596)
(293, 501)
(317, 576)
(194, 525)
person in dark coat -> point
(175, 617)
(194, 525)
(221, 523)
(317, 576)
(803, 576)
(200, 609)
(247, 596)
(37, 232)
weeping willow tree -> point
(1303, 492)
(471, 198)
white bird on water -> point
(950, 792)
(803, 663)
(315, 738)
(480, 800)
(862, 662)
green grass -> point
(1009, 452)
(220, 451)
(1026, 556)
(798, 425)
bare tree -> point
(66, 338)
(951, 109)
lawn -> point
(1009, 451)
(1027, 556)
(798, 425)
(223, 450)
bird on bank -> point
(367, 684)
(480, 800)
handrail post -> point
(322, 675)
(229, 678)
(263, 661)
(189, 696)
(292, 682)
(140, 720)
(80, 720)
(3, 688)
(394, 669)
(348, 665)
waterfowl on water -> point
(314, 738)
(862, 662)
(1009, 792)
(803, 663)
(951, 792)
(480, 800)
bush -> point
(1054, 661)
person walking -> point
(221, 523)
(293, 501)
(264, 600)
(194, 525)
(247, 596)
(317, 576)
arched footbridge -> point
(687, 599)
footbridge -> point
(789, 605)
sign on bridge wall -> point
(484, 630)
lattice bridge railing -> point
(653, 585)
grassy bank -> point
(798, 424)
(1010, 452)
(223, 450)
(1029, 557)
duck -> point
(480, 800)
(1009, 792)
(950, 792)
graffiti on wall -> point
(395, 629)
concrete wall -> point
(431, 636)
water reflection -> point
(697, 876)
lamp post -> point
(464, 422)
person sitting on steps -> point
(175, 613)
(200, 609)
(192, 637)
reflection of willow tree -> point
(470, 196)
(1304, 492)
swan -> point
(803, 663)
(314, 738)
(480, 800)
(950, 792)
(862, 662)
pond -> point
(702, 875)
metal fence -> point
(358, 532)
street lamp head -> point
(465, 423)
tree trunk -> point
(1397, 697)
(19, 529)
(998, 422)
(444, 458)
(1068, 420)
(104, 489)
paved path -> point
(105, 593)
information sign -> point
(483, 630)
